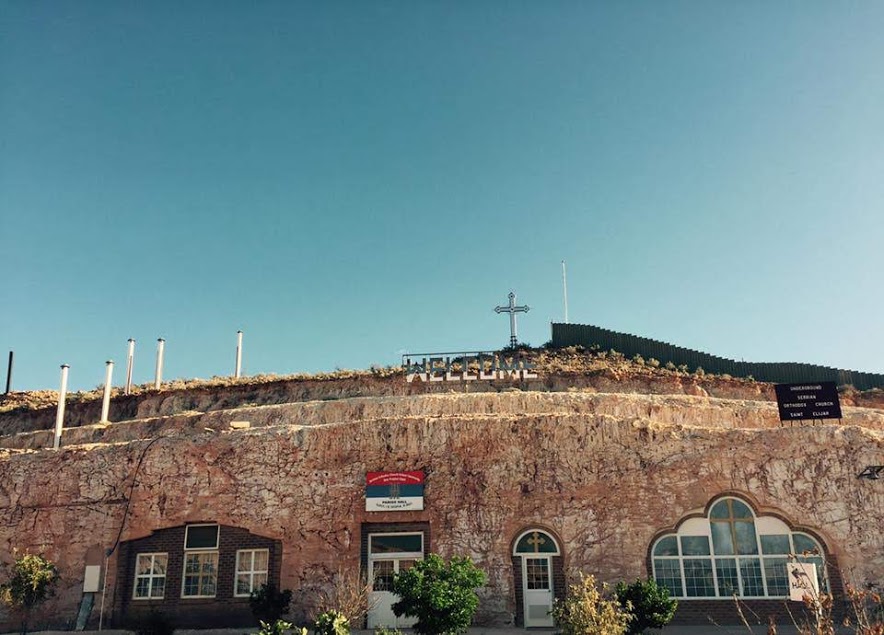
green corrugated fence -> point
(776, 372)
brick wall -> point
(222, 610)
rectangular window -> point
(776, 576)
(251, 570)
(668, 573)
(200, 574)
(698, 577)
(201, 537)
(396, 543)
(150, 576)
(726, 570)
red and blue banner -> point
(394, 491)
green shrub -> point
(269, 604)
(331, 623)
(440, 595)
(383, 630)
(586, 611)
(31, 582)
(651, 606)
(279, 627)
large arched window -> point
(732, 552)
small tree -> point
(651, 606)
(33, 580)
(349, 593)
(440, 595)
(586, 611)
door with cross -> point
(535, 550)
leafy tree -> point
(440, 595)
(651, 606)
(33, 580)
(586, 611)
(269, 604)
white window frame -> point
(150, 577)
(251, 571)
(200, 551)
(397, 554)
(762, 558)
(217, 537)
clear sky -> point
(344, 181)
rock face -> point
(603, 472)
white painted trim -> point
(199, 552)
(217, 537)
(150, 576)
(251, 572)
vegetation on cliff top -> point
(573, 360)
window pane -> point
(726, 570)
(208, 586)
(775, 544)
(750, 571)
(776, 576)
(243, 583)
(695, 545)
(720, 510)
(259, 580)
(668, 574)
(397, 543)
(160, 562)
(741, 510)
(666, 547)
(746, 541)
(383, 575)
(804, 543)
(159, 586)
(208, 565)
(536, 573)
(243, 561)
(143, 565)
(698, 577)
(536, 542)
(722, 539)
(260, 560)
(142, 586)
(202, 537)
(192, 564)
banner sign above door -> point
(394, 491)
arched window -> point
(732, 552)
(536, 541)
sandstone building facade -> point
(691, 481)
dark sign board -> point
(816, 400)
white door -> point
(383, 564)
(537, 590)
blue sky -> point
(347, 180)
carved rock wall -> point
(604, 472)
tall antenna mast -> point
(565, 290)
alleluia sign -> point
(475, 366)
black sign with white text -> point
(816, 400)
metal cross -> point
(536, 540)
(512, 309)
